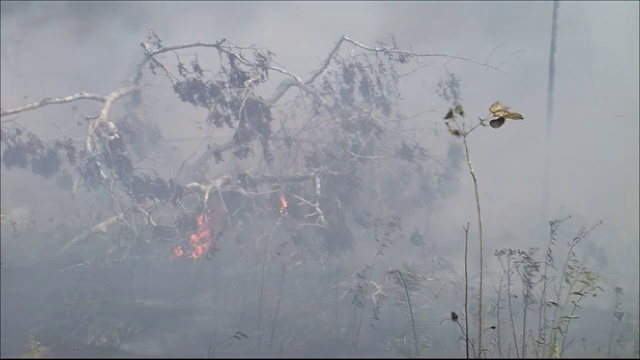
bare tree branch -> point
(52, 101)
(106, 100)
(212, 151)
(419, 55)
(98, 228)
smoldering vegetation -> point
(213, 200)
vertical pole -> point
(550, 107)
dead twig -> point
(418, 55)
(99, 228)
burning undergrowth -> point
(200, 241)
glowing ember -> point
(177, 252)
(283, 205)
(200, 241)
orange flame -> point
(200, 241)
(177, 252)
(283, 205)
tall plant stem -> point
(265, 256)
(475, 187)
(498, 321)
(277, 312)
(466, 288)
(509, 297)
(525, 301)
(550, 107)
(358, 328)
(413, 323)
(264, 264)
(542, 312)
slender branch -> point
(509, 297)
(53, 101)
(149, 55)
(563, 346)
(475, 186)
(466, 287)
(560, 287)
(413, 323)
(283, 178)
(498, 308)
(326, 62)
(277, 310)
(525, 302)
(213, 150)
(106, 100)
(464, 334)
(550, 108)
(542, 311)
(101, 227)
(319, 212)
(261, 293)
(107, 103)
(418, 55)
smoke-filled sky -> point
(58, 48)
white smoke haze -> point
(59, 48)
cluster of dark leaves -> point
(357, 94)
(449, 89)
(146, 186)
(363, 83)
(229, 97)
(137, 186)
(360, 84)
(23, 149)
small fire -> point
(200, 241)
(283, 205)
(177, 252)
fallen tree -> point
(319, 162)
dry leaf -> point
(452, 112)
(497, 106)
(449, 114)
(513, 116)
(500, 110)
(496, 122)
(454, 132)
(459, 110)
